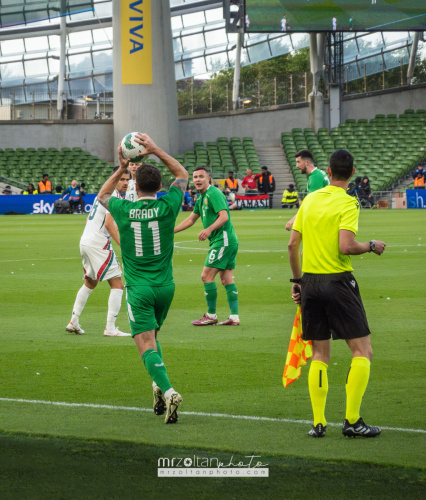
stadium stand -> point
(24, 166)
(386, 148)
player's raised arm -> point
(108, 188)
(171, 163)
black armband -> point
(296, 280)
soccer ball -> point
(130, 149)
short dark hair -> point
(127, 171)
(202, 168)
(264, 168)
(230, 172)
(305, 154)
(148, 178)
(45, 175)
(341, 164)
(291, 186)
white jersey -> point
(95, 233)
(131, 193)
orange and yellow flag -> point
(299, 351)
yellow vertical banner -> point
(136, 42)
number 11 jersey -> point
(146, 229)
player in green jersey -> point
(212, 207)
(146, 235)
(317, 179)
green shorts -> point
(147, 306)
(222, 257)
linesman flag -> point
(299, 351)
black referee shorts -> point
(332, 306)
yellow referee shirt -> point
(320, 218)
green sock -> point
(210, 291)
(156, 369)
(232, 296)
(160, 352)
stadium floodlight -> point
(233, 13)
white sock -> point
(114, 305)
(169, 392)
(154, 385)
(212, 316)
(80, 302)
(234, 317)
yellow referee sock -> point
(356, 383)
(318, 388)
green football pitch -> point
(317, 15)
(75, 410)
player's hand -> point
(288, 225)
(380, 247)
(123, 163)
(296, 291)
(204, 235)
(147, 142)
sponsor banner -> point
(136, 42)
(36, 203)
(40, 203)
(256, 201)
(416, 198)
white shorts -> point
(98, 264)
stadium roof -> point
(30, 33)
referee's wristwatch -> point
(372, 246)
(296, 280)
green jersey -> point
(146, 228)
(208, 205)
(317, 179)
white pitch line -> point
(192, 413)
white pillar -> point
(413, 55)
(150, 108)
(61, 77)
(316, 99)
(237, 71)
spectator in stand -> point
(187, 200)
(231, 183)
(364, 191)
(58, 189)
(30, 190)
(230, 198)
(419, 170)
(45, 186)
(419, 181)
(7, 190)
(266, 184)
(250, 182)
(75, 197)
(290, 197)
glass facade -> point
(29, 53)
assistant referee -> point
(327, 223)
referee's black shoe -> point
(359, 428)
(317, 431)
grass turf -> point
(234, 371)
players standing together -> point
(144, 226)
